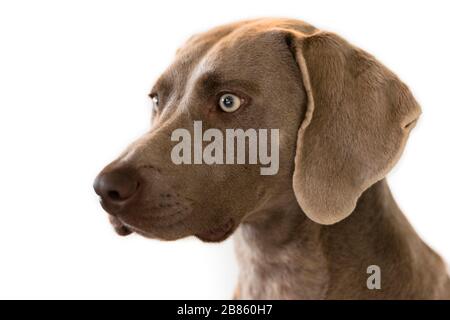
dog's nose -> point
(116, 186)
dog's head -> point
(342, 121)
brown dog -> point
(313, 229)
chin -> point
(218, 233)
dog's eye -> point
(229, 102)
(155, 101)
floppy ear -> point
(358, 118)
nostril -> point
(114, 195)
(116, 185)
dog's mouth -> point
(218, 233)
(215, 234)
(162, 230)
(123, 229)
(120, 228)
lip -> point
(110, 209)
(120, 228)
(149, 235)
(219, 233)
(160, 224)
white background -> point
(74, 78)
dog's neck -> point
(280, 255)
(283, 254)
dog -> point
(316, 228)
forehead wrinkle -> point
(208, 82)
(213, 81)
(191, 83)
(205, 75)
